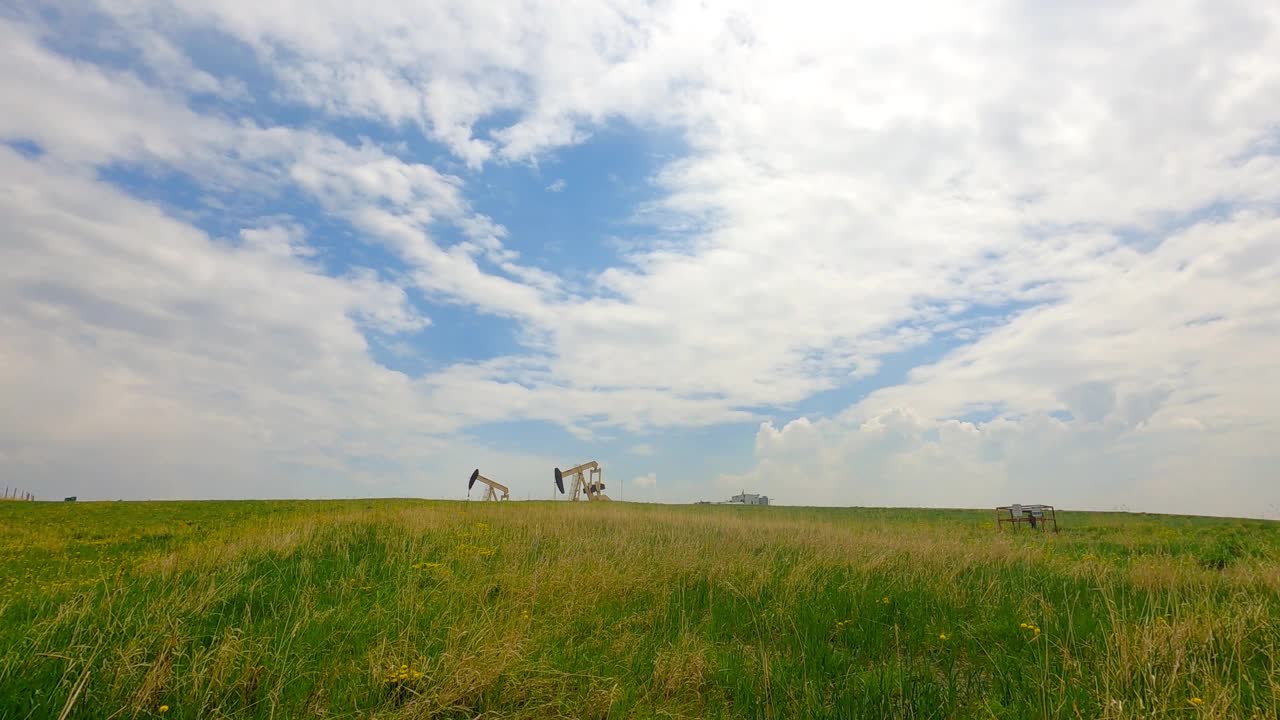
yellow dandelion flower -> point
(163, 708)
(1197, 701)
(942, 636)
(884, 600)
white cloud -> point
(851, 215)
(1191, 323)
(642, 450)
(172, 354)
(915, 189)
(90, 115)
(196, 367)
(901, 459)
(557, 186)
(1164, 371)
(281, 241)
(856, 183)
(646, 481)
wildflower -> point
(942, 636)
(163, 709)
(1197, 702)
(403, 675)
(884, 600)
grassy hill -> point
(400, 609)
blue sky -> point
(904, 256)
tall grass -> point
(399, 609)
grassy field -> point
(400, 609)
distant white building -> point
(746, 498)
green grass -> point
(537, 610)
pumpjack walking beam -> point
(491, 488)
(587, 479)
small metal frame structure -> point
(588, 480)
(491, 488)
(1039, 517)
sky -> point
(907, 254)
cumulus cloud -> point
(647, 481)
(901, 459)
(854, 185)
(222, 346)
(1156, 406)
(929, 196)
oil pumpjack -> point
(491, 488)
(587, 479)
